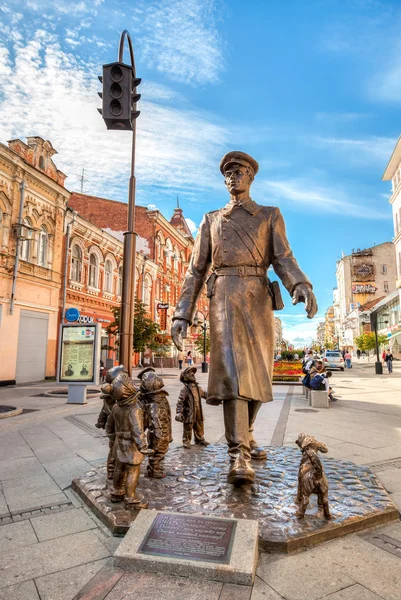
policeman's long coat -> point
(241, 315)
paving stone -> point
(262, 591)
(17, 468)
(101, 584)
(146, 586)
(62, 523)
(63, 471)
(3, 504)
(391, 479)
(29, 492)
(231, 591)
(353, 592)
(20, 591)
(13, 445)
(17, 534)
(306, 576)
(28, 562)
(65, 585)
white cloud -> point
(303, 192)
(51, 94)
(370, 149)
(298, 329)
(178, 38)
(192, 226)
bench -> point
(318, 399)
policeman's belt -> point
(240, 271)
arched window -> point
(26, 245)
(43, 246)
(93, 271)
(120, 281)
(41, 162)
(147, 288)
(76, 266)
(108, 276)
(1, 226)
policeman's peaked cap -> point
(238, 158)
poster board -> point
(79, 354)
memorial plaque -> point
(193, 538)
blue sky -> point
(311, 89)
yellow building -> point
(33, 201)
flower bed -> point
(287, 370)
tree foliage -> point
(366, 341)
(199, 344)
(146, 332)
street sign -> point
(72, 314)
(162, 306)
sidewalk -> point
(51, 547)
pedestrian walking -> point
(384, 356)
(389, 361)
(189, 358)
(358, 353)
(347, 358)
(180, 357)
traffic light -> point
(119, 96)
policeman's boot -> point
(257, 452)
(155, 470)
(240, 472)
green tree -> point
(366, 341)
(199, 344)
(146, 332)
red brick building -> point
(163, 252)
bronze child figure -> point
(311, 477)
(108, 403)
(125, 426)
(157, 419)
(189, 409)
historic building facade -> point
(163, 249)
(33, 201)
(362, 277)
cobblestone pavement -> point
(53, 548)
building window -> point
(93, 271)
(385, 285)
(26, 245)
(384, 269)
(168, 252)
(1, 226)
(108, 277)
(43, 247)
(120, 281)
(41, 162)
(76, 270)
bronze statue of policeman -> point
(234, 248)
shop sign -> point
(162, 306)
(85, 319)
(72, 314)
(364, 289)
(79, 353)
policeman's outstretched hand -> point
(179, 332)
(303, 293)
(179, 418)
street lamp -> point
(378, 364)
(119, 98)
(204, 327)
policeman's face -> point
(238, 179)
(190, 377)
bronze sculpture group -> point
(233, 250)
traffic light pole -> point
(129, 256)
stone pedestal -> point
(189, 551)
(196, 485)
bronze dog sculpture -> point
(311, 477)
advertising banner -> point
(79, 354)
